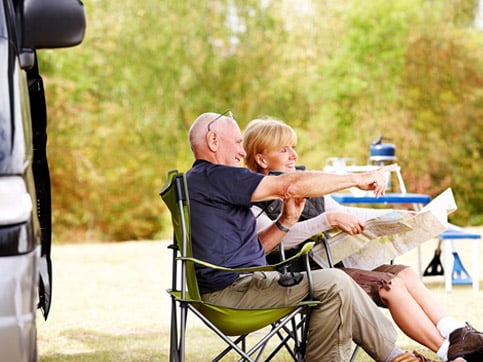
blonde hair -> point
(265, 134)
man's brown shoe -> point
(466, 343)
(411, 357)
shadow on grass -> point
(89, 346)
(438, 282)
(86, 345)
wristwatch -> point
(281, 227)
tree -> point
(341, 73)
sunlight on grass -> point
(85, 345)
(110, 304)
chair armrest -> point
(272, 267)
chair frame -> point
(291, 324)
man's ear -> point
(212, 141)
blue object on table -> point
(390, 198)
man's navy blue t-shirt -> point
(222, 224)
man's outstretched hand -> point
(375, 180)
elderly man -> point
(223, 233)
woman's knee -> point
(409, 275)
(396, 288)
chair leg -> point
(177, 332)
(173, 343)
(305, 333)
(275, 330)
(283, 343)
(354, 353)
(240, 339)
(182, 338)
(298, 350)
(232, 344)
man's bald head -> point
(198, 130)
(216, 138)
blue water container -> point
(382, 153)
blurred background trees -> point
(340, 72)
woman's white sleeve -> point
(303, 230)
(300, 232)
(263, 221)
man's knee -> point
(331, 281)
(333, 274)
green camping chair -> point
(288, 323)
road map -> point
(386, 237)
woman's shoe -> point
(467, 343)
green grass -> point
(110, 304)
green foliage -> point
(442, 94)
(120, 105)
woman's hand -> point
(346, 222)
(291, 211)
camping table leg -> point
(448, 265)
(476, 275)
(420, 271)
(448, 262)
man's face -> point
(230, 150)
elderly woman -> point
(270, 146)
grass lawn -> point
(109, 303)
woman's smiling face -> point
(270, 146)
(278, 159)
